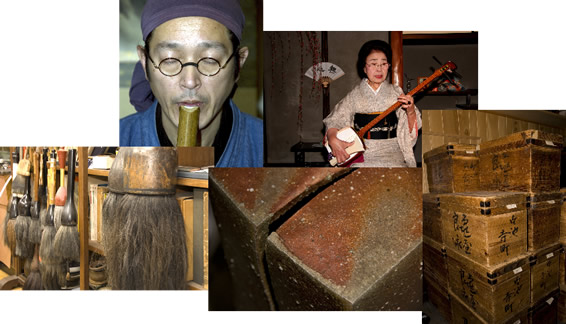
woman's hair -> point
(366, 49)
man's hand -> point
(338, 146)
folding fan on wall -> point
(324, 72)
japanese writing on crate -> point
(546, 275)
(504, 235)
(513, 292)
(469, 172)
(500, 165)
(469, 291)
(461, 227)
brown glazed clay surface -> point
(245, 203)
(357, 231)
(261, 193)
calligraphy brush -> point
(61, 195)
(35, 226)
(19, 183)
(33, 281)
(7, 216)
(144, 235)
(23, 247)
(66, 242)
(11, 224)
(43, 187)
(10, 230)
(50, 264)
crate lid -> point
(524, 138)
(544, 199)
(545, 253)
(494, 274)
(484, 202)
(452, 148)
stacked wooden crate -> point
(529, 162)
(502, 243)
(451, 168)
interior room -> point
(295, 103)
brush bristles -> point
(50, 275)
(11, 233)
(34, 231)
(5, 228)
(46, 246)
(43, 217)
(108, 218)
(33, 281)
(145, 243)
(24, 248)
(66, 244)
(57, 216)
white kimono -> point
(394, 152)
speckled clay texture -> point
(356, 245)
(245, 202)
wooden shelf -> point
(96, 247)
(190, 182)
(187, 182)
(98, 172)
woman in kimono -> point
(390, 142)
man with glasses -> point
(390, 142)
(192, 58)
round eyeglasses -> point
(378, 66)
(206, 66)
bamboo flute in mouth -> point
(187, 131)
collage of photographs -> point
(297, 170)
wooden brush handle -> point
(41, 169)
(62, 156)
(51, 175)
(35, 176)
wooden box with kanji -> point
(546, 310)
(463, 314)
(432, 220)
(434, 261)
(497, 293)
(543, 219)
(452, 167)
(544, 272)
(487, 227)
(437, 294)
(527, 161)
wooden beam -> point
(396, 40)
(83, 215)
